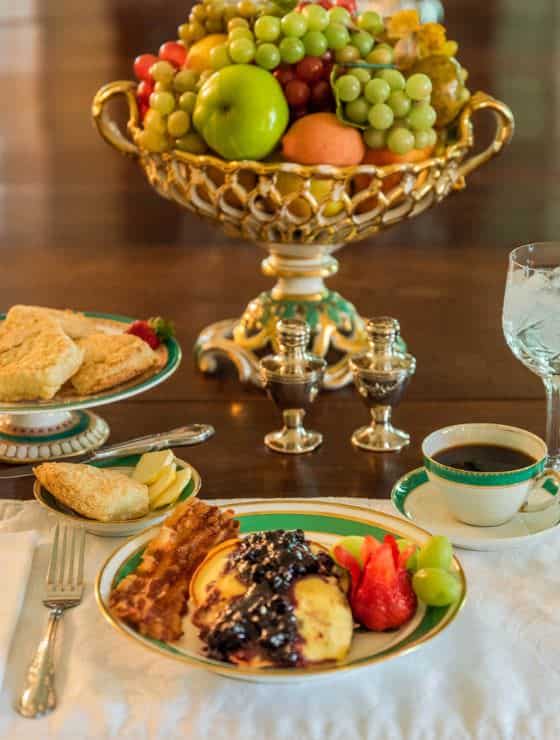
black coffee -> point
(483, 458)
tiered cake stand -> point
(273, 204)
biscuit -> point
(105, 495)
(73, 323)
(110, 359)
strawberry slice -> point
(154, 331)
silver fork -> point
(64, 588)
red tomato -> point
(142, 66)
(173, 52)
(350, 5)
(144, 90)
(143, 108)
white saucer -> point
(419, 500)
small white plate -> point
(418, 499)
(129, 526)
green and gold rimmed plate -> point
(129, 526)
(323, 523)
(67, 399)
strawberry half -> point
(381, 597)
(154, 331)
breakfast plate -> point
(41, 430)
(416, 498)
(122, 528)
(322, 523)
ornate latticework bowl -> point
(300, 215)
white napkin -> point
(16, 556)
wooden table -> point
(80, 227)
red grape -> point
(297, 93)
(142, 66)
(284, 74)
(326, 4)
(173, 52)
(327, 69)
(328, 56)
(350, 5)
(298, 112)
(321, 94)
(144, 90)
(310, 69)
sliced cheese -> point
(162, 482)
(173, 492)
(150, 465)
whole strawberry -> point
(153, 331)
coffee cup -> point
(487, 499)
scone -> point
(73, 323)
(36, 356)
(110, 359)
(105, 495)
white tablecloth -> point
(495, 673)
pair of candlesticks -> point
(293, 378)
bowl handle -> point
(108, 128)
(504, 131)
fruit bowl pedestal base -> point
(47, 435)
(337, 330)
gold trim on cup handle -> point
(505, 126)
(106, 126)
(554, 498)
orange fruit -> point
(320, 138)
(383, 157)
(198, 57)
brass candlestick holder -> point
(301, 215)
(292, 379)
(381, 376)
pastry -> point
(110, 359)
(105, 495)
(36, 356)
(73, 323)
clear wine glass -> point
(531, 323)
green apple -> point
(241, 112)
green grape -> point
(421, 117)
(230, 12)
(178, 123)
(337, 36)
(219, 57)
(436, 587)
(185, 79)
(154, 121)
(153, 141)
(314, 42)
(436, 553)
(348, 54)
(370, 21)
(381, 116)
(187, 101)
(184, 31)
(267, 56)
(204, 75)
(418, 86)
(240, 33)
(164, 102)
(352, 544)
(362, 75)
(241, 51)
(377, 90)
(214, 25)
(381, 54)
(196, 32)
(198, 13)
(294, 24)
(363, 42)
(291, 50)
(348, 88)
(163, 72)
(393, 77)
(193, 143)
(215, 10)
(400, 140)
(374, 139)
(246, 8)
(357, 111)
(162, 87)
(267, 28)
(423, 139)
(340, 15)
(399, 103)
(317, 17)
(237, 23)
(412, 562)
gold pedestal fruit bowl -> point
(300, 215)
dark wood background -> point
(79, 227)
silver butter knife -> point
(191, 434)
